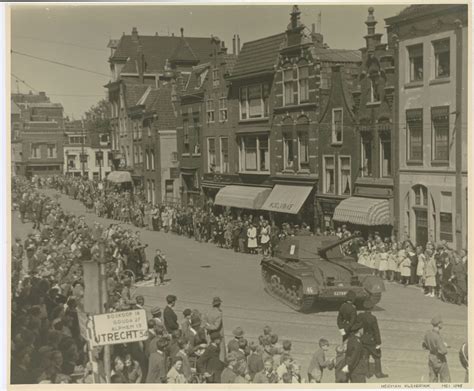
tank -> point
(309, 270)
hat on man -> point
(216, 301)
(350, 296)
(238, 332)
(171, 299)
(156, 310)
(436, 320)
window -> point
(303, 74)
(186, 136)
(35, 151)
(210, 110)
(152, 159)
(441, 51)
(446, 217)
(440, 127)
(141, 154)
(254, 101)
(52, 151)
(288, 86)
(288, 152)
(303, 149)
(329, 170)
(147, 159)
(222, 109)
(76, 139)
(211, 154)
(385, 157)
(366, 156)
(344, 175)
(337, 126)
(374, 90)
(224, 158)
(415, 55)
(197, 140)
(174, 157)
(169, 190)
(421, 196)
(254, 154)
(135, 154)
(415, 134)
(215, 77)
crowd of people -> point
(48, 290)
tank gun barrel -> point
(322, 251)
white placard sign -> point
(118, 327)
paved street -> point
(200, 271)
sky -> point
(78, 35)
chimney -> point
(182, 32)
(238, 44)
(223, 49)
(134, 34)
(233, 45)
(140, 63)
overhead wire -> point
(24, 82)
(60, 43)
(59, 63)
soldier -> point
(371, 338)
(437, 363)
(347, 315)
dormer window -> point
(374, 93)
(288, 84)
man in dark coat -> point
(356, 364)
(170, 319)
(209, 363)
(160, 266)
(347, 315)
(157, 363)
(371, 340)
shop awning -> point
(287, 199)
(244, 197)
(119, 177)
(363, 211)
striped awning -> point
(363, 211)
(245, 197)
(287, 199)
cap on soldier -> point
(436, 320)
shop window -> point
(254, 154)
(303, 82)
(446, 217)
(337, 126)
(385, 156)
(441, 51)
(415, 55)
(211, 154)
(224, 158)
(344, 175)
(415, 134)
(440, 129)
(210, 110)
(366, 156)
(288, 86)
(329, 174)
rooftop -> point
(337, 55)
(420, 10)
(258, 56)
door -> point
(421, 224)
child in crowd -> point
(319, 362)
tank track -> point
(289, 292)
